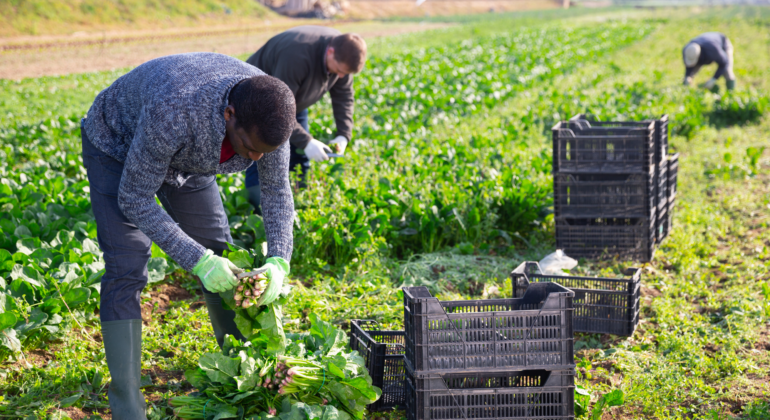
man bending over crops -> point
(311, 60)
(166, 129)
(711, 47)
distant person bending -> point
(311, 60)
(711, 47)
(165, 130)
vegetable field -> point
(446, 185)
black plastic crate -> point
(532, 332)
(661, 130)
(668, 220)
(661, 185)
(604, 195)
(383, 353)
(664, 226)
(602, 305)
(661, 225)
(603, 150)
(673, 171)
(623, 238)
(528, 394)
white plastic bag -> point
(554, 263)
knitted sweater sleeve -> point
(277, 201)
(154, 144)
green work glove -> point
(731, 84)
(216, 273)
(277, 270)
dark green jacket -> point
(297, 57)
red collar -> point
(227, 150)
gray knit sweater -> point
(165, 121)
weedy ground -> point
(702, 347)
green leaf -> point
(95, 277)
(349, 397)
(366, 389)
(77, 296)
(610, 399)
(249, 375)
(331, 338)
(66, 402)
(27, 274)
(334, 370)
(240, 396)
(226, 412)
(7, 320)
(91, 246)
(197, 378)
(297, 412)
(241, 258)
(53, 305)
(8, 339)
(32, 323)
(157, 269)
(244, 323)
(271, 324)
(582, 400)
(330, 413)
(28, 245)
(22, 232)
(219, 367)
(54, 319)
(614, 398)
(96, 382)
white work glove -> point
(709, 83)
(339, 144)
(687, 81)
(316, 150)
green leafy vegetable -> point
(309, 376)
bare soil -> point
(161, 299)
(374, 9)
(27, 57)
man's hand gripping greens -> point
(219, 274)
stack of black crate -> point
(666, 213)
(383, 353)
(492, 359)
(610, 187)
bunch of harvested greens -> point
(273, 374)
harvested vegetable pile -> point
(273, 374)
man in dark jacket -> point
(311, 60)
(166, 129)
(711, 47)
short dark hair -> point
(266, 103)
(351, 50)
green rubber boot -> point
(222, 320)
(123, 347)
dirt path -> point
(62, 56)
(373, 9)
